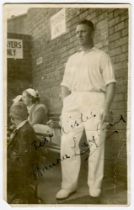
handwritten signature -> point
(45, 141)
(107, 126)
(76, 124)
(39, 171)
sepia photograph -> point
(67, 73)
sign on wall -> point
(39, 61)
(58, 24)
(15, 48)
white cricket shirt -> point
(88, 71)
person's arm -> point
(27, 147)
(110, 92)
(66, 83)
(110, 82)
(23, 140)
(64, 92)
(39, 116)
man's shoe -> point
(95, 196)
(95, 193)
(64, 193)
(95, 200)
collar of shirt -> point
(29, 108)
(86, 51)
(21, 124)
(16, 129)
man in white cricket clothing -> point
(88, 89)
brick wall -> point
(17, 25)
(19, 70)
(112, 36)
(55, 52)
(118, 50)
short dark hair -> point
(87, 22)
(19, 111)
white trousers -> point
(81, 110)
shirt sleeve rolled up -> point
(67, 76)
(107, 69)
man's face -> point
(84, 34)
(26, 99)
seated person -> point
(22, 158)
(37, 111)
(17, 99)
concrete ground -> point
(49, 184)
